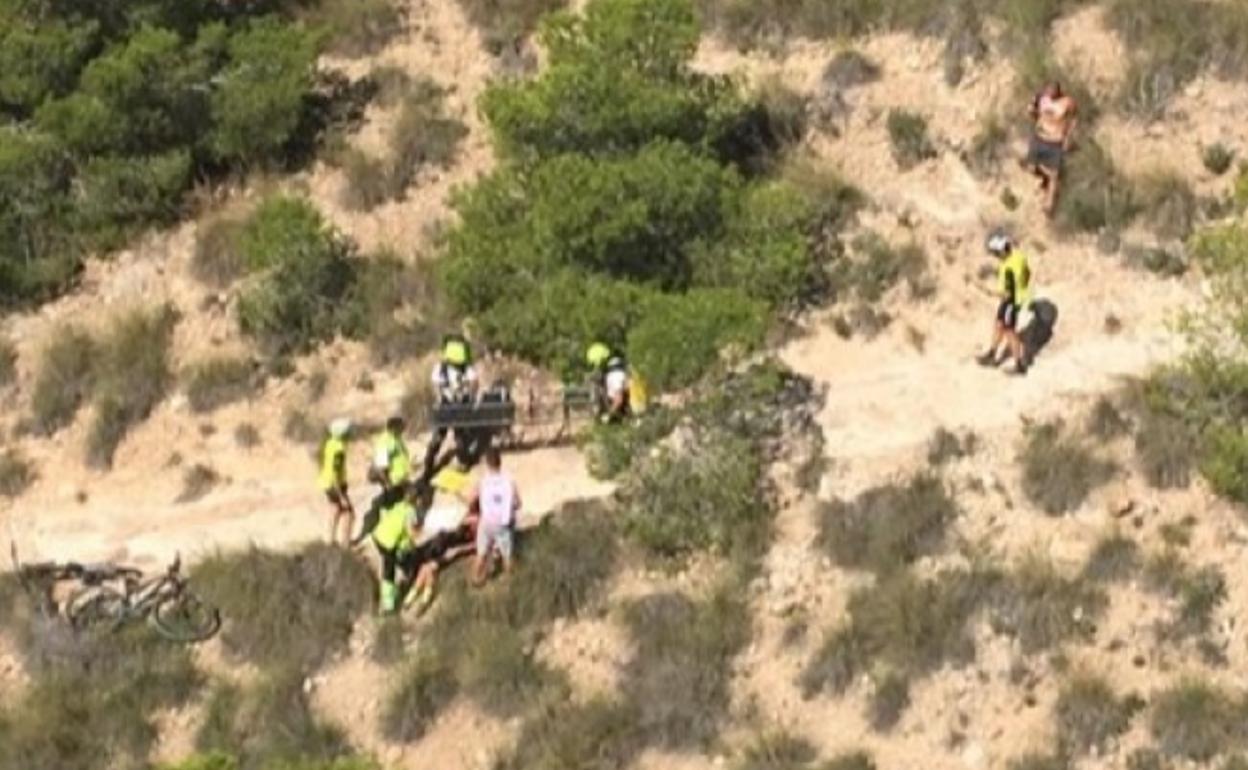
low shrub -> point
(1059, 471)
(679, 676)
(8, 362)
(222, 761)
(197, 482)
(16, 473)
(988, 148)
(64, 378)
(269, 724)
(93, 699)
(423, 135)
(1090, 714)
(247, 436)
(366, 182)
(776, 750)
(424, 688)
(218, 259)
(854, 760)
(1036, 761)
(1225, 462)
(1106, 422)
(945, 446)
(566, 733)
(889, 701)
(132, 375)
(506, 23)
(1166, 450)
(907, 131)
(910, 625)
(1217, 158)
(1115, 558)
(614, 448)
(1168, 205)
(292, 610)
(878, 267)
(1096, 196)
(889, 527)
(218, 381)
(1042, 608)
(850, 68)
(357, 27)
(1197, 721)
(682, 503)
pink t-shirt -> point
(498, 499)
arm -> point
(1071, 125)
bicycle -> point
(176, 612)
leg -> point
(505, 541)
(1054, 181)
(481, 561)
(989, 358)
(389, 591)
(433, 451)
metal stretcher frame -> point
(509, 419)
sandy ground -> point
(885, 398)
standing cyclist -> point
(390, 470)
(1014, 285)
(333, 480)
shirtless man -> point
(1055, 115)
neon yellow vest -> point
(330, 478)
(391, 531)
(396, 450)
(1016, 265)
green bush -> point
(111, 113)
(301, 275)
(567, 733)
(63, 379)
(215, 382)
(16, 473)
(286, 610)
(888, 527)
(1225, 462)
(269, 724)
(1059, 471)
(682, 503)
(681, 337)
(132, 375)
(907, 131)
(614, 448)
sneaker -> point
(988, 359)
(1019, 369)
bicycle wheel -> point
(184, 617)
(98, 609)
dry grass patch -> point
(1198, 721)
(1166, 450)
(1059, 470)
(218, 259)
(1090, 715)
(197, 482)
(16, 473)
(216, 382)
(1115, 558)
(1042, 608)
(889, 527)
(63, 380)
(8, 362)
(907, 132)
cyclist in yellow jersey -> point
(333, 480)
(393, 536)
(1014, 285)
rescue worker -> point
(454, 381)
(1014, 286)
(614, 381)
(393, 536)
(390, 469)
(333, 480)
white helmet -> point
(1000, 243)
(340, 427)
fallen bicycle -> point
(109, 596)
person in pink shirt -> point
(497, 500)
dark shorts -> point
(1007, 314)
(1048, 155)
(336, 497)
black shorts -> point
(432, 550)
(1048, 155)
(1007, 314)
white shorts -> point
(494, 538)
(617, 383)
